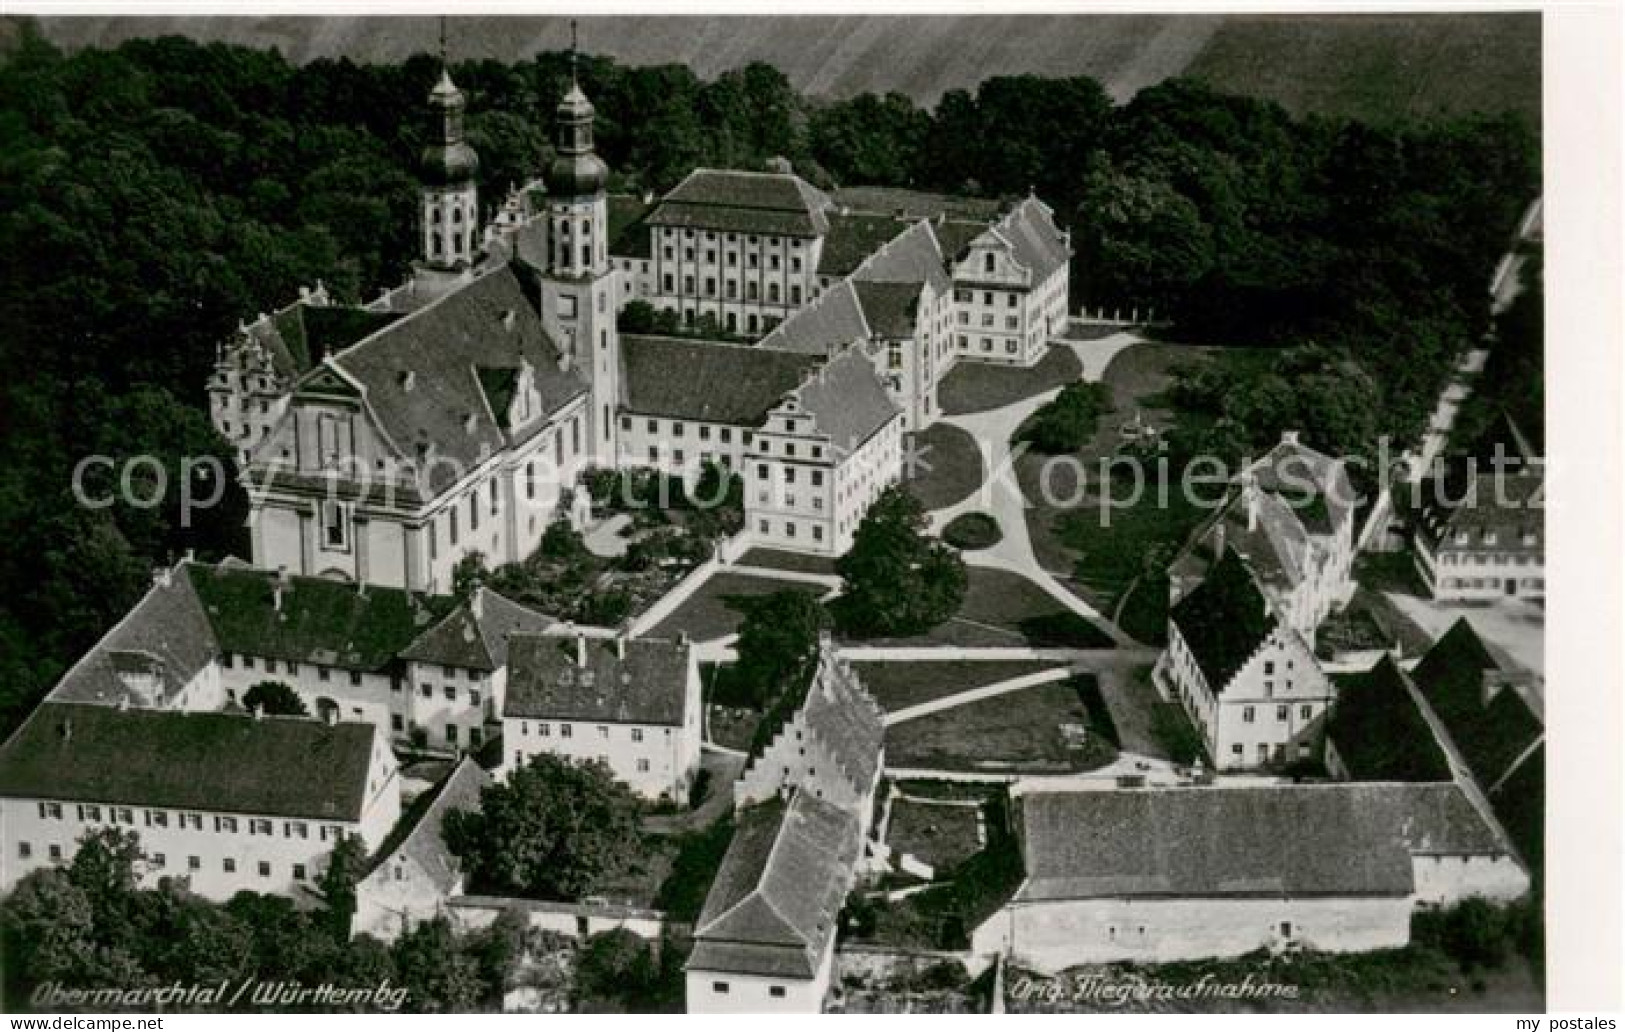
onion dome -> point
(577, 171)
(449, 159)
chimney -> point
(581, 649)
(162, 577)
(1289, 437)
(1249, 497)
(476, 603)
(1218, 540)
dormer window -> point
(409, 380)
(990, 263)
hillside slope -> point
(1378, 67)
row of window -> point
(722, 988)
(731, 258)
(679, 429)
(91, 813)
(158, 861)
(1494, 559)
(1249, 714)
(790, 529)
(1264, 752)
(966, 296)
(544, 729)
(709, 235)
(1011, 322)
(229, 660)
(668, 284)
(1508, 584)
(1010, 347)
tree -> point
(275, 699)
(614, 967)
(1069, 421)
(898, 580)
(345, 868)
(555, 829)
(439, 976)
(778, 640)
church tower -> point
(578, 286)
(450, 205)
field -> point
(940, 834)
(977, 387)
(716, 609)
(1007, 610)
(900, 685)
(1011, 733)
(941, 466)
(1375, 67)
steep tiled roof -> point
(913, 257)
(840, 714)
(168, 628)
(1504, 511)
(1491, 735)
(832, 321)
(419, 836)
(276, 766)
(489, 323)
(847, 401)
(1038, 243)
(890, 309)
(1303, 840)
(649, 685)
(852, 238)
(773, 906)
(1224, 620)
(745, 202)
(954, 236)
(318, 621)
(706, 381)
(475, 634)
(1379, 732)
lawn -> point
(899, 685)
(792, 562)
(941, 466)
(943, 835)
(977, 386)
(1003, 609)
(716, 609)
(1097, 542)
(1022, 732)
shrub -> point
(972, 530)
(1070, 421)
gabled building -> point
(427, 671)
(226, 801)
(1377, 731)
(1480, 533)
(1011, 286)
(1483, 700)
(831, 747)
(1243, 672)
(1165, 875)
(630, 703)
(742, 248)
(413, 873)
(1290, 516)
(765, 940)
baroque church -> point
(382, 442)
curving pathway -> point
(1000, 493)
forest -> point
(154, 195)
